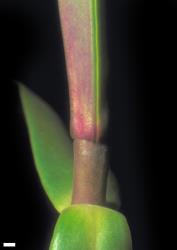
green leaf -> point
(51, 148)
(52, 151)
(90, 227)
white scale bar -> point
(12, 244)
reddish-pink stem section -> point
(76, 23)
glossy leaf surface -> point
(52, 151)
(89, 227)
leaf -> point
(52, 151)
(89, 227)
(51, 148)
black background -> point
(141, 39)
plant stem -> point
(90, 172)
(84, 47)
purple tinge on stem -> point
(79, 29)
